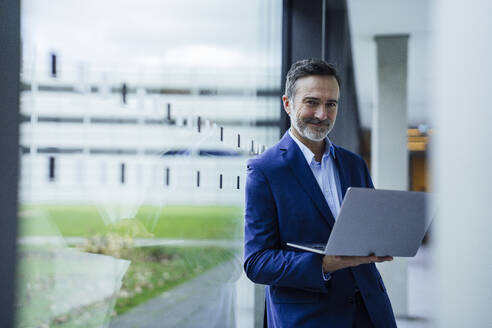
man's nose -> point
(321, 113)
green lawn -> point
(196, 222)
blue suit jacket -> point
(285, 204)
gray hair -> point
(307, 67)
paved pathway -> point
(207, 301)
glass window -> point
(146, 113)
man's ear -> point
(287, 105)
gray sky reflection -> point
(188, 33)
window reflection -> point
(137, 121)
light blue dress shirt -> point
(326, 174)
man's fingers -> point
(362, 259)
(385, 258)
(372, 259)
(352, 261)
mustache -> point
(316, 121)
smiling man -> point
(293, 194)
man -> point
(293, 194)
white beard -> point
(311, 133)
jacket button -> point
(350, 300)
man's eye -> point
(331, 105)
(311, 102)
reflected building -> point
(79, 137)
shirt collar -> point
(308, 154)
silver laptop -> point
(379, 222)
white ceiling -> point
(369, 18)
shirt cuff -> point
(326, 275)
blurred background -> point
(126, 127)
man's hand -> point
(333, 263)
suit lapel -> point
(300, 169)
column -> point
(462, 157)
(389, 155)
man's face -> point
(314, 108)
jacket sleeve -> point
(367, 176)
(264, 260)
